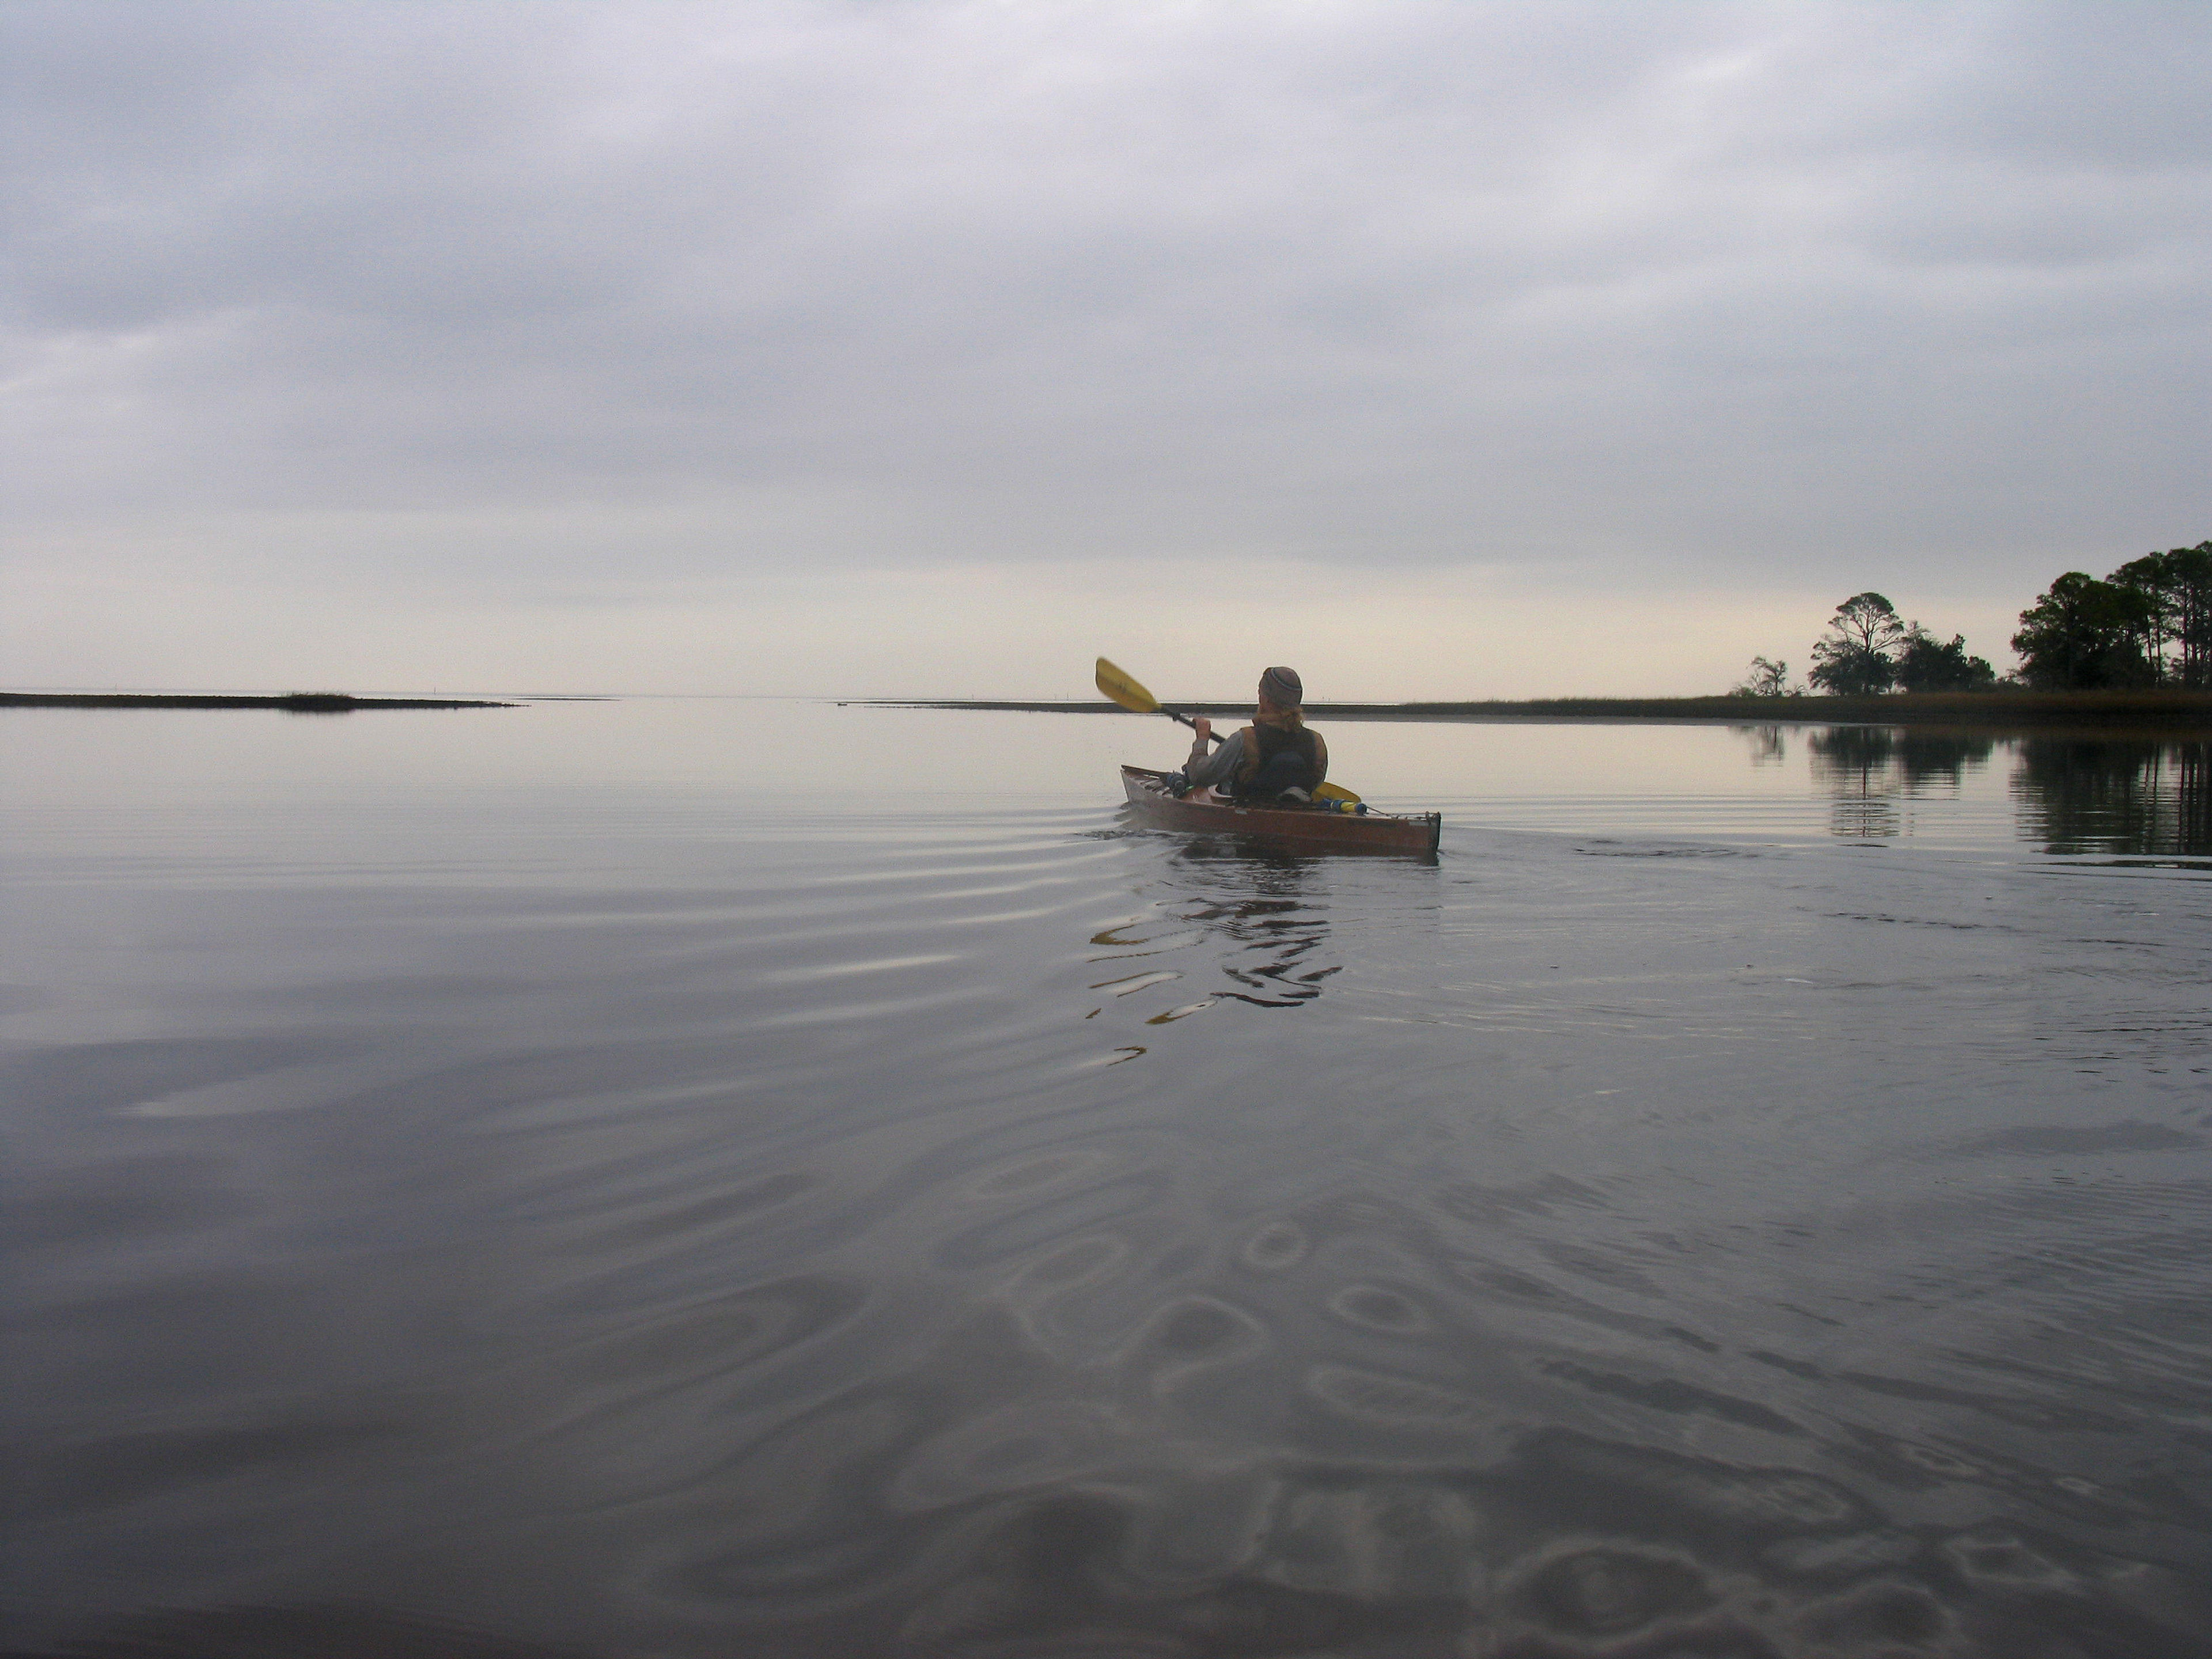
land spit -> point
(294, 702)
(2161, 711)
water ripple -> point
(645, 1228)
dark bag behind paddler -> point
(1280, 755)
(1277, 760)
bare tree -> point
(1765, 680)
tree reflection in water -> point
(1769, 746)
(2115, 795)
(1867, 769)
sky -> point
(935, 346)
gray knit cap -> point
(1283, 688)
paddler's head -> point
(1281, 691)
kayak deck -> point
(1203, 810)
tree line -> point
(2147, 623)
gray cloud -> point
(1651, 293)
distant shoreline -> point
(295, 702)
(2164, 711)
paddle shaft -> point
(1191, 723)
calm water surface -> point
(755, 1178)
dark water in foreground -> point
(727, 1179)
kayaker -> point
(1274, 758)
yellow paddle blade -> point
(1119, 687)
(1333, 792)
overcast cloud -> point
(1464, 348)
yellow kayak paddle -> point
(1117, 686)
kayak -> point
(1316, 827)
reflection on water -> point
(1262, 917)
(1273, 906)
(1259, 916)
(2148, 798)
(2115, 796)
(659, 1225)
(1869, 770)
(1769, 745)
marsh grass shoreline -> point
(2110, 713)
(294, 702)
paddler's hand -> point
(1204, 727)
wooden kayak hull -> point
(1205, 812)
